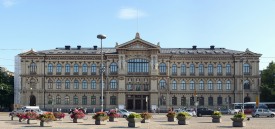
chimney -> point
(95, 47)
(212, 47)
(194, 47)
(67, 47)
(78, 47)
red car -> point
(248, 111)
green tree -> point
(6, 90)
(268, 87)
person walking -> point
(94, 110)
(116, 109)
(154, 110)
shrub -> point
(171, 114)
(239, 116)
(146, 115)
(101, 116)
(47, 116)
(59, 115)
(216, 113)
(183, 114)
(77, 115)
(113, 113)
(133, 116)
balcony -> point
(201, 74)
(67, 73)
(174, 74)
(133, 73)
(210, 74)
(49, 73)
(113, 73)
(76, 73)
(93, 73)
(228, 74)
(32, 73)
(58, 73)
(192, 74)
(219, 74)
(183, 74)
(162, 73)
(84, 73)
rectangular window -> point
(112, 100)
(219, 100)
(50, 100)
(174, 100)
(84, 100)
(137, 87)
(75, 100)
(210, 101)
(93, 100)
(201, 101)
(146, 87)
(183, 101)
(129, 87)
(67, 100)
(191, 100)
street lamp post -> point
(101, 36)
(243, 81)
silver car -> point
(262, 112)
(123, 114)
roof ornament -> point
(32, 49)
(137, 36)
(116, 44)
(158, 44)
(246, 50)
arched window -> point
(246, 84)
(75, 84)
(84, 100)
(103, 84)
(67, 68)
(162, 68)
(246, 68)
(84, 68)
(76, 68)
(183, 85)
(210, 85)
(174, 68)
(219, 68)
(93, 85)
(75, 100)
(183, 69)
(50, 100)
(33, 67)
(50, 85)
(163, 100)
(50, 68)
(84, 84)
(58, 100)
(138, 65)
(113, 84)
(67, 100)
(113, 67)
(162, 84)
(201, 85)
(93, 68)
(174, 85)
(58, 84)
(201, 69)
(192, 68)
(210, 101)
(113, 100)
(228, 68)
(219, 85)
(219, 100)
(228, 85)
(58, 68)
(210, 68)
(192, 85)
(67, 84)
(93, 100)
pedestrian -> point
(172, 109)
(116, 109)
(94, 110)
(169, 109)
(154, 110)
(76, 109)
(59, 109)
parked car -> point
(225, 111)
(204, 111)
(38, 111)
(235, 111)
(124, 110)
(73, 109)
(262, 112)
(177, 111)
(191, 111)
(122, 114)
(248, 111)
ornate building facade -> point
(70, 77)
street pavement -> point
(159, 121)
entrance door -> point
(32, 100)
(130, 104)
(138, 104)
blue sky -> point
(47, 24)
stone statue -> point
(156, 64)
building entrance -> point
(137, 102)
(32, 100)
(130, 104)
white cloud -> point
(8, 3)
(130, 13)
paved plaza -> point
(158, 122)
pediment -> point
(137, 43)
(31, 52)
(249, 53)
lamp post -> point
(101, 36)
(243, 81)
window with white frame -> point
(210, 68)
(162, 84)
(192, 68)
(201, 85)
(228, 85)
(210, 85)
(228, 68)
(219, 85)
(50, 68)
(183, 85)
(183, 69)
(174, 68)
(192, 85)
(93, 84)
(201, 69)
(174, 85)
(219, 68)
(76, 68)
(84, 84)
(113, 84)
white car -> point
(235, 111)
(190, 111)
(124, 110)
(38, 111)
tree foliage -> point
(6, 90)
(268, 87)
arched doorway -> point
(32, 100)
(246, 99)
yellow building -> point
(134, 70)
